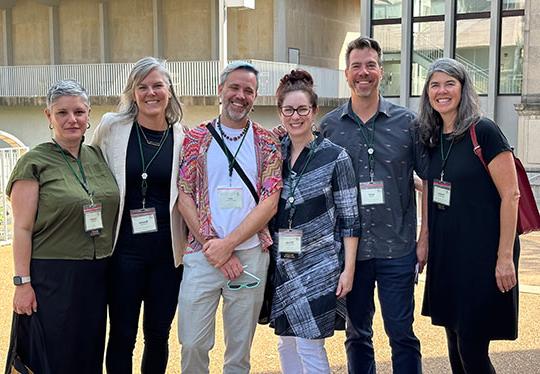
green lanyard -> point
(145, 166)
(232, 160)
(83, 182)
(291, 198)
(443, 156)
(370, 142)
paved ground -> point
(510, 357)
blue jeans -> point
(395, 282)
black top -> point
(389, 229)
(461, 291)
(158, 192)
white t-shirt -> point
(225, 220)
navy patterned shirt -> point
(389, 229)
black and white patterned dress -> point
(304, 302)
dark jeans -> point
(468, 356)
(135, 278)
(395, 283)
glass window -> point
(385, 9)
(468, 6)
(389, 36)
(428, 45)
(428, 7)
(513, 4)
(511, 58)
(472, 50)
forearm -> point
(424, 211)
(22, 251)
(188, 210)
(255, 221)
(351, 245)
(508, 221)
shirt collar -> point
(384, 108)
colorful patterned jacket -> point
(193, 178)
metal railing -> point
(8, 159)
(190, 78)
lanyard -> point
(443, 156)
(145, 166)
(370, 142)
(82, 181)
(291, 198)
(231, 159)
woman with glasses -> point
(142, 145)
(317, 211)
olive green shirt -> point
(58, 231)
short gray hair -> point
(66, 87)
(238, 65)
(143, 67)
(430, 121)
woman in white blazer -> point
(141, 144)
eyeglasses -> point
(255, 282)
(288, 111)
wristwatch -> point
(18, 280)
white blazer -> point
(112, 136)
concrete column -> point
(494, 52)
(214, 29)
(280, 31)
(7, 36)
(157, 12)
(450, 28)
(222, 24)
(406, 53)
(54, 39)
(365, 17)
(104, 44)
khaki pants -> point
(201, 288)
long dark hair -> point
(430, 121)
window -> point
(386, 29)
(428, 45)
(511, 56)
(472, 50)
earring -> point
(88, 125)
(313, 127)
(50, 126)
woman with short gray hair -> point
(141, 144)
(64, 201)
(471, 282)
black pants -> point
(134, 278)
(72, 309)
(468, 355)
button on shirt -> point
(389, 229)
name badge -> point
(92, 219)
(230, 197)
(441, 192)
(289, 243)
(372, 193)
(143, 220)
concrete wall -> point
(251, 32)
(79, 32)
(186, 30)
(30, 33)
(321, 28)
(2, 37)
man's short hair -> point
(361, 43)
(237, 65)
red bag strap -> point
(477, 149)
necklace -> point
(151, 142)
(233, 138)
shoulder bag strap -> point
(236, 165)
(477, 149)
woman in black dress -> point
(471, 284)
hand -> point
(422, 252)
(217, 251)
(24, 299)
(345, 284)
(505, 274)
(232, 268)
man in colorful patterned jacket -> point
(229, 187)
